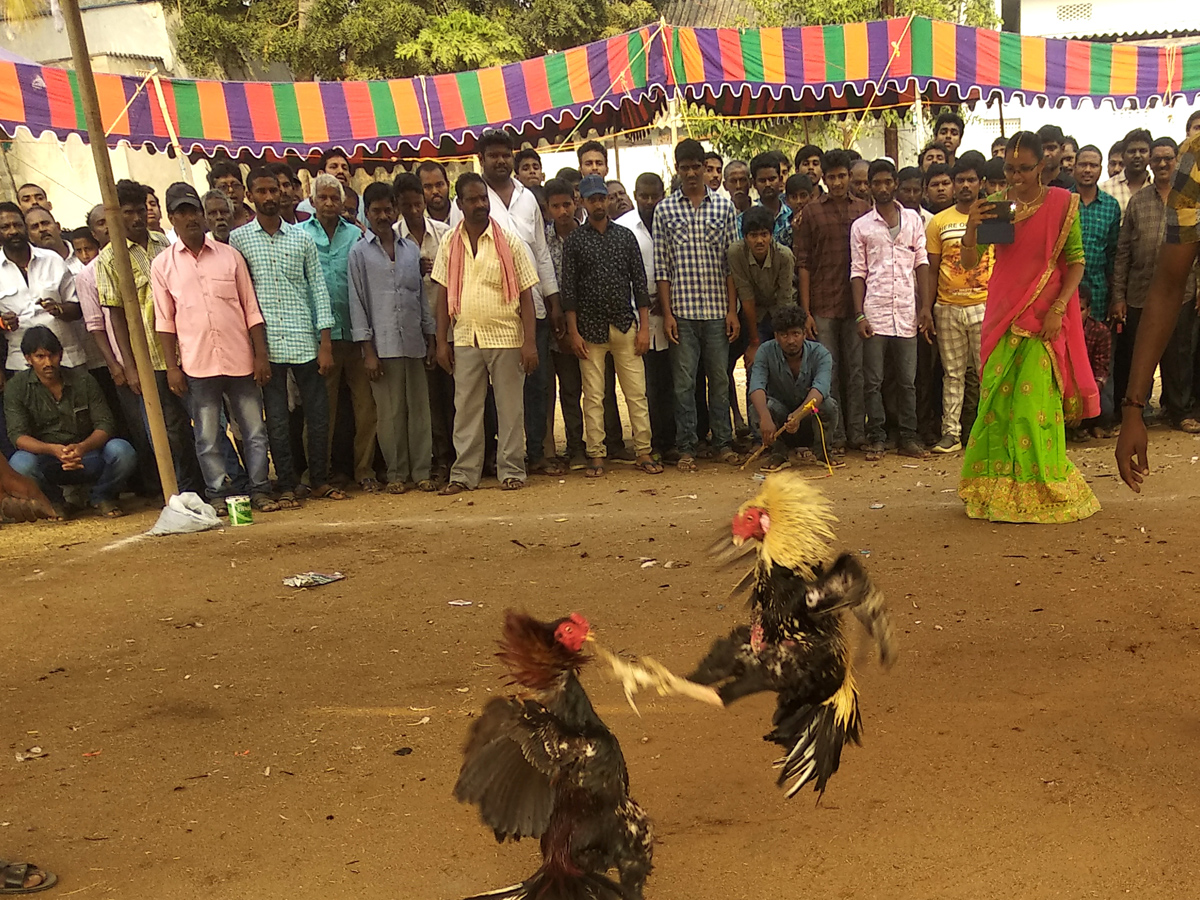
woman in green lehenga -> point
(1036, 377)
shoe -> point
(947, 445)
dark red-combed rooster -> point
(795, 644)
(544, 765)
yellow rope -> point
(883, 75)
(794, 422)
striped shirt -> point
(690, 246)
(485, 319)
(110, 289)
(1100, 228)
(290, 286)
(1183, 206)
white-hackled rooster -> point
(794, 644)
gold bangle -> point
(1058, 310)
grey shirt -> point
(386, 304)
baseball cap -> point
(182, 194)
(591, 186)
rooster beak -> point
(589, 637)
(738, 540)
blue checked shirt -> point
(290, 287)
(1100, 226)
(690, 245)
(782, 231)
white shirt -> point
(49, 279)
(523, 217)
(633, 221)
(95, 359)
(434, 232)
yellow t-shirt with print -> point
(955, 285)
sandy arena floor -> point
(214, 735)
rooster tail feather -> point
(817, 733)
(872, 614)
(556, 885)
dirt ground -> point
(213, 734)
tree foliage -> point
(978, 13)
(363, 39)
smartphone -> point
(998, 227)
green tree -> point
(979, 13)
(460, 40)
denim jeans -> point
(840, 338)
(178, 420)
(314, 395)
(901, 353)
(106, 469)
(535, 395)
(702, 345)
(245, 400)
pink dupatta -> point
(508, 269)
(1026, 280)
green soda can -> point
(240, 512)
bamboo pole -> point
(185, 168)
(116, 229)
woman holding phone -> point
(1036, 375)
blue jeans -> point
(314, 395)
(106, 469)
(212, 443)
(535, 395)
(702, 343)
(903, 355)
(840, 338)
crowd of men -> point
(414, 338)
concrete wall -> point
(1083, 18)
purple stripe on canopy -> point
(1056, 67)
(241, 126)
(514, 86)
(793, 59)
(597, 57)
(710, 55)
(879, 49)
(337, 113)
(966, 55)
(1147, 70)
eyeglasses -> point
(1024, 170)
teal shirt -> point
(333, 254)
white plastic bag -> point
(183, 514)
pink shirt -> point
(889, 267)
(208, 303)
(95, 316)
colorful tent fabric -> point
(621, 82)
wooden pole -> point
(185, 168)
(116, 232)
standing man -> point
(427, 234)
(618, 200)
(30, 195)
(218, 215)
(436, 184)
(999, 147)
(1142, 233)
(1100, 227)
(335, 162)
(144, 246)
(1134, 173)
(560, 205)
(693, 229)
(485, 280)
(289, 195)
(956, 318)
(822, 250)
(939, 188)
(1070, 151)
(1116, 159)
(528, 166)
(603, 280)
(213, 338)
(764, 172)
(1053, 139)
(762, 273)
(660, 395)
(860, 186)
(889, 277)
(62, 428)
(334, 237)
(593, 159)
(226, 177)
(948, 131)
(737, 185)
(714, 165)
(516, 210)
(394, 329)
(294, 300)
(810, 161)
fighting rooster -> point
(795, 644)
(545, 766)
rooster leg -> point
(635, 862)
(725, 659)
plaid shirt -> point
(690, 244)
(1100, 227)
(1119, 189)
(110, 289)
(782, 231)
(1098, 340)
(1137, 249)
(291, 289)
(822, 246)
(1183, 206)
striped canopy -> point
(618, 83)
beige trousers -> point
(348, 362)
(631, 375)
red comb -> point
(579, 620)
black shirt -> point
(600, 272)
(30, 408)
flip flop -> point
(14, 875)
(686, 464)
(649, 466)
(595, 468)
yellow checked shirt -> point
(110, 291)
(1183, 205)
(485, 319)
